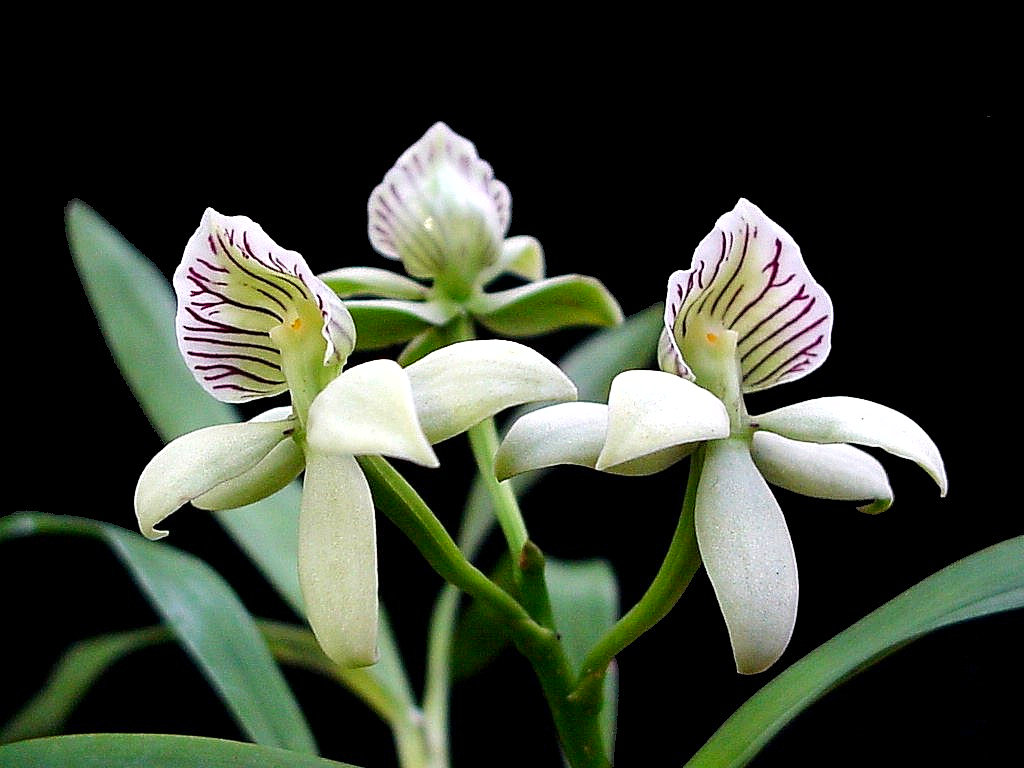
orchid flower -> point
(253, 321)
(441, 212)
(746, 316)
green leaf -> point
(383, 322)
(585, 602)
(80, 667)
(134, 305)
(208, 619)
(547, 305)
(370, 281)
(137, 750)
(989, 581)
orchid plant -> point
(254, 322)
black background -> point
(901, 216)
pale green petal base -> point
(338, 559)
(746, 548)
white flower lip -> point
(234, 286)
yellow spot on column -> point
(712, 338)
(297, 324)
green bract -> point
(443, 214)
(252, 322)
(747, 315)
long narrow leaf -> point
(208, 619)
(134, 305)
(135, 750)
(989, 581)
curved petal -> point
(195, 463)
(852, 420)
(570, 433)
(649, 411)
(669, 358)
(748, 553)
(272, 473)
(369, 409)
(235, 285)
(422, 345)
(370, 281)
(522, 256)
(460, 385)
(338, 559)
(383, 322)
(438, 204)
(547, 305)
(824, 471)
(748, 276)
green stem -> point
(483, 438)
(437, 689)
(678, 568)
(577, 722)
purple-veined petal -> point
(669, 359)
(747, 551)
(439, 204)
(338, 559)
(571, 433)
(235, 285)
(649, 411)
(822, 470)
(748, 276)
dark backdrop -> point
(901, 216)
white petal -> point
(649, 411)
(460, 385)
(748, 276)
(669, 358)
(825, 471)
(338, 559)
(569, 433)
(748, 553)
(852, 420)
(193, 464)
(234, 285)
(369, 409)
(278, 468)
(440, 202)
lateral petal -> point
(369, 409)
(852, 420)
(746, 548)
(383, 322)
(649, 411)
(195, 463)
(338, 559)
(824, 471)
(370, 281)
(570, 433)
(546, 305)
(460, 385)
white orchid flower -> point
(441, 212)
(252, 322)
(746, 316)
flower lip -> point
(748, 276)
(234, 286)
